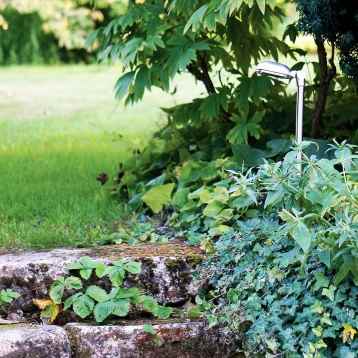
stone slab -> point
(26, 341)
(186, 339)
(166, 270)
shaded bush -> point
(25, 41)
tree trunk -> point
(327, 73)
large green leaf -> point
(133, 267)
(196, 18)
(116, 275)
(247, 155)
(83, 306)
(123, 84)
(57, 290)
(73, 283)
(103, 310)
(303, 236)
(158, 196)
(213, 209)
(97, 293)
(121, 308)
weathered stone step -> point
(185, 339)
(26, 341)
(166, 270)
(179, 339)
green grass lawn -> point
(59, 128)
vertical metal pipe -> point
(299, 111)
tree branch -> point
(200, 70)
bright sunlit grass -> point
(59, 128)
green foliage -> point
(156, 40)
(7, 296)
(158, 196)
(25, 41)
(34, 31)
(200, 39)
(337, 22)
(284, 254)
(85, 296)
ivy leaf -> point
(97, 293)
(345, 352)
(329, 292)
(325, 258)
(212, 320)
(321, 281)
(158, 196)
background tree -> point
(332, 23)
(35, 31)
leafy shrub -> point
(87, 298)
(284, 264)
(239, 112)
(25, 41)
(34, 31)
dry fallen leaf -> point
(42, 303)
(348, 333)
(49, 308)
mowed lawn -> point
(59, 128)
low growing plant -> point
(283, 269)
(86, 298)
(7, 296)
